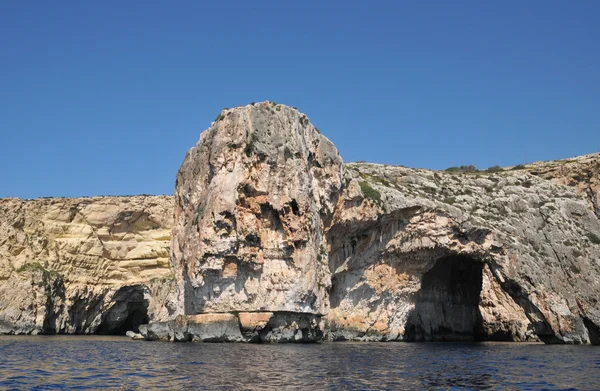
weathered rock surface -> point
(274, 239)
(267, 219)
(237, 327)
(433, 255)
(581, 172)
(84, 265)
(252, 201)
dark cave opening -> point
(128, 313)
(447, 305)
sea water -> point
(71, 362)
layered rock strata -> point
(268, 220)
(85, 265)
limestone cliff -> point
(84, 265)
(423, 255)
(274, 239)
(252, 201)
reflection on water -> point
(107, 362)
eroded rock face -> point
(267, 222)
(86, 265)
(581, 173)
(253, 198)
(275, 240)
(526, 244)
(238, 327)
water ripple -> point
(74, 363)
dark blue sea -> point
(82, 363)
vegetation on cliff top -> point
(370, 193)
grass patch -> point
(33, 267)
(370, 193)
(376, 179)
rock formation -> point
(274, 239)
(86, 265)
(270, 224)
(252, 201)
(423, 255)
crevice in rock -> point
(83, 311)
(128, 312)
(447, 305)
(55, 298)
(593, 331)
(592, 197)
(541, 327)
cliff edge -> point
(271, 237)
(84, 265)
(275, 239)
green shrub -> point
(463, 169)
(370, 193)
(494, 169)
(593, 238)
(36, 266)
(250, 145)
(518, 167)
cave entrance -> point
(447, 306)
(128, 312)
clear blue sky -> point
(105, 97)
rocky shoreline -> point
(270, 237)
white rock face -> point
(252, 201)
(84, 265)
